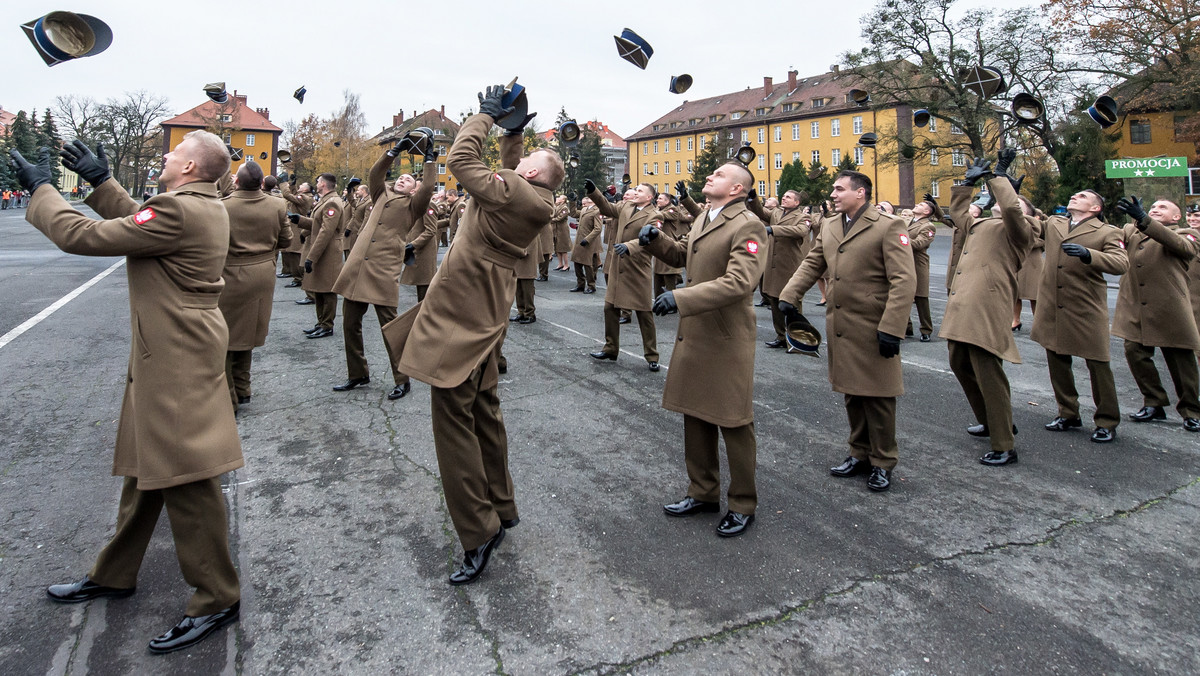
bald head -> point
(1165, 212)
(549, 166)
(250, 177)
(209, 153)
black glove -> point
(396, 149)
(521, 127)
(354, 183)
(284, 177)
(752, 196)
(770, 231)
(928, 197)
(308, 266)
(889, 345)
(492, 103)
(410, 256)
(1132, 207)
(431, 154)
(665, 304)
(824, 209)
(621, 249)
(681, 189)
(1078, 251)
(588, 186)
(32, 176)
(979, 169)
(1004, 160)
(583, 242)
(647, 234)
(789, 312)
(572, 196)
(347, 233)
(91, 168)
(294, 218)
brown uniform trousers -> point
(612, 331)
(356, 359)
(873, 430)
(981, 375)
(525, 304)
(1181, 364)
(1104, 389)
(703, 463)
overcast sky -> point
(396, 58)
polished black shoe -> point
(653, 366)
(476, 560)
(908, 332)
(1191, 425)
(850, 467)
(509, 524)
(734, 524)
(623, 320)
(292, 285)
(502, 368)
(243, 399)
(314, 329)
(982, 430)
(399, 391)
(590, 290)
(762, 303)
(576, 289)
(1103, 435)
(1061, 424)
(323, 333)
(541, 279)
(880, 479)
(602, 355)
(776, 343)
(351, 384)
(529, 319)
(689, 506)
(925, 338)
(305, 301)
(516, 318)
(997, 458)
(192, 630)
(1148, 413)
(85, 590)
(283, 275)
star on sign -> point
(1149, 172)
(1137, 172)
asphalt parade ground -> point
(1082, 558)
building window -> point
(676, 145)
(762, 161)
(787, 107)
(818, 103)
(690, 144)
(646, 148)
(692, 123)
(933, 156)
(958, 158)
(760, 111)
(729, 135)
(691, 167)
(762, 187)
(778, 133)
(666, 167)
(856, 124)
(728, 153)
(735, 116)
(935, 189)
(762, 134)
(956, 130)
(228, 138)
(777, 188)
(645, 167)
(796, 156)
(1139, 131)
(441, 168)
(656, 147)
(796, 132)
(778, 160)
(745, 135)
(814, 129)
(816, 156)
(933, 124)
(703, 142)
(858, 156)
(677, 166)
(713, 118)
(439, 132)
(249, 139)
(656, 167)
(835, 157)
(835, 127)
(225, 117)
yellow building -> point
(444, 131)
(248, 130)
(806, 119)
(1159, 134)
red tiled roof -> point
(606, 134)
(244, 116)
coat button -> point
(1059, 307)
(840, 250)
(838, 306)
(679, 339)
(839, 334)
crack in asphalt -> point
(789, 612)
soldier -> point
(866, 254)
(451, 344)
(770, 205)
(349, 227)
(562, 232)
(370, 274)
(675, 224)
(586, 254)
(460, 207)
(1193, 221)
(177, 433)
(1153, 309)
(981, 304)
(1073, 319)
(420, 260)
(360, 205)
(302, 203)
(628, 271)
(921, 231)
(787, 244)
(1029, 278)
(724, 256)
(258, 226)
(526, 270)
(546, 246)
(321, 260)
(446, 214)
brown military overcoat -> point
(588, 231)
(1029, 279)
(629, 277)
(1153, 305)
(177, 423)
(562, 231)
(870, 289)
(324, 245)
(920, 235)
(675, 223)
(1071, 316)
(787, 246)
(258, 226)
(423, 236)
(299, 204)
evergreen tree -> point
(1080, 156)
(22, 136)
(47, 135)
(8, 178)
(714, 154)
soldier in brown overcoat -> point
(562, 232)
(449, 340)
(1193, 222)
(1072, 319)
(977, 322)
(460, 208)
(258, 226)
(675, 223)
(724, 256)
(371, 273)
(864, 253)
(787, 244)
(526, 269)
(1153, 309)
(546, 246)
(1029, 278)
(586, 254)
(302, 203)
(358, 208)
(322, 256)
(921, 231)
(177, 433)
(421, 262)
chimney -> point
(443, 113)
(792, 80)
(768, 84)
(834, 68)
(398, 119)
(265, 112)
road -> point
(1080, 559)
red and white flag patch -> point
(430, 212)
(331, 212)
(1190, 238)
(499, 178)
(752, 247)
(144, 216)
(904, 240)
(929, 234)
(1121, 242)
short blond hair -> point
(211, 156)
(553, 169)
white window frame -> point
(762, 162)
(796, 131)
(835, 157)
(835, 127)
(778, 160)
(816, 156)
(856, 124)
(814, 129)
(249, 140)
(778, 133)
(762, 135)
(935, 189)
(933, 157)
(858, 156)
(745, 135)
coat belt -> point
(249, 259)
(200, 301)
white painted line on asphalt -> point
(584, 335)
(37, 319)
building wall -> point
(1163, 140)
(264, 141)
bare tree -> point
(79, 118)
(130, 130)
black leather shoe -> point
(734, 524)
(602, 355)
(590, 290)
(502, 368)
(508, 524)
(243, 399)
(1103, 435)
(192, 630)
(476, 560)
(576, 289)
(283, 275)
(762, 303)
(323, 333)
(850, 467)
(776, 343)
(292, 285)
(305, 301)
(85, 590)
(351, 384)
(1191, 425)
(925, 338)
(1148, 413)
(541, 279)
(821, 304)
(689, 506)
(623, 320)
(399, 391)
(653, 366)
(982, 430)
(1061, 424)
(880, 479)
(527, 320)
(997, 458)
(516, 318)
(314, 329)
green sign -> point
(1146, 167)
